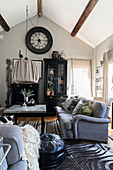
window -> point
(110, 81)
(81, 77)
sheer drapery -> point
(82, 77)
(107, 76)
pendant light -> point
(25, 71)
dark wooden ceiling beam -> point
(3, 24)
(39, 7)
(84, 16)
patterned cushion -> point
(67, 104)
(83, 99)
(77, 108)
(6, 120)
(73, 104)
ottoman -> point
(52, 152)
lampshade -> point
(25, 71)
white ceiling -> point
(65, 13)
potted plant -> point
(26, 95)
(52, 93)
(48, 92)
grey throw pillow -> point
(83, 99)
(77, 108)
(67, 104)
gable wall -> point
(102, 48)
(14, 40)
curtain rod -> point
(79, 58)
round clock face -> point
(39, 40)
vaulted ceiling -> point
(66, 13)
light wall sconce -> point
(101, 62)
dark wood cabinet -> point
(55, 80)
(17, 97)
(52, 101)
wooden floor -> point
(110, 131)
(53, 118)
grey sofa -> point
(93, 127)
(12, 135)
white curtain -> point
(69, 78)
(25, 71)
(81, 77)
(107, 77)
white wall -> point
(14, 40)
(105, 46)
(101, 48)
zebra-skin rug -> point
(80, 155)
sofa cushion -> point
(61, 110)
(66, 120)
(84, 100)
(21, 165)
(67, 104)
(86, 109)
(73, 104)
(77, 108)
(99, 109)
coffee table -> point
(28, 111)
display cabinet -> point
(55, 82)
(17, 97)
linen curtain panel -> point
(82, 77)
(107, 59)
(105, 78)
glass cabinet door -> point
(51, 77)
(61, 79)
(55, 78)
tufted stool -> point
(52, 152)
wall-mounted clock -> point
(39, 40)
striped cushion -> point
(6, 120)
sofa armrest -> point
(12, 135)
(90, 119)
(59, 110)
(87, 119)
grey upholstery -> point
(67, 120)
(85, 127)
(12, 135)
(18, 166)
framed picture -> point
(39, 64)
